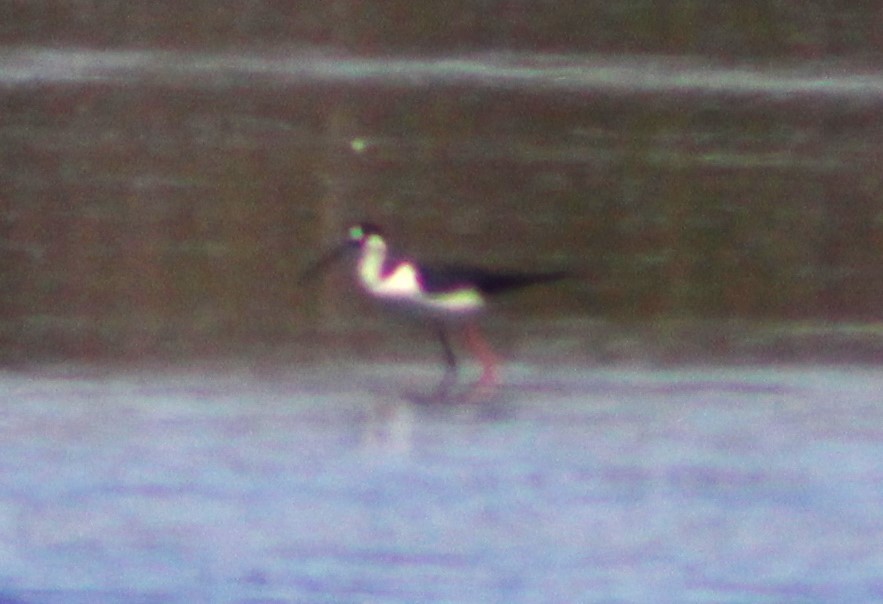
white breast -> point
(402, 285)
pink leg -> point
(479, 346)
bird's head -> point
(363, 233)
(358, 236)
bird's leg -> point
(482, 350)
(450, 376)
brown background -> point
(168, 205)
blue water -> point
(598, 484)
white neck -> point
(371, 261)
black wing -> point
(452, 276)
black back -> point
(449, 277)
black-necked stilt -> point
(446, 295)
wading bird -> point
(445, 296)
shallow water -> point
(616, 484)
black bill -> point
(323, 263)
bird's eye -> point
(356, 232)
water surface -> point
(601, 484)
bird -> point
(449, 296)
